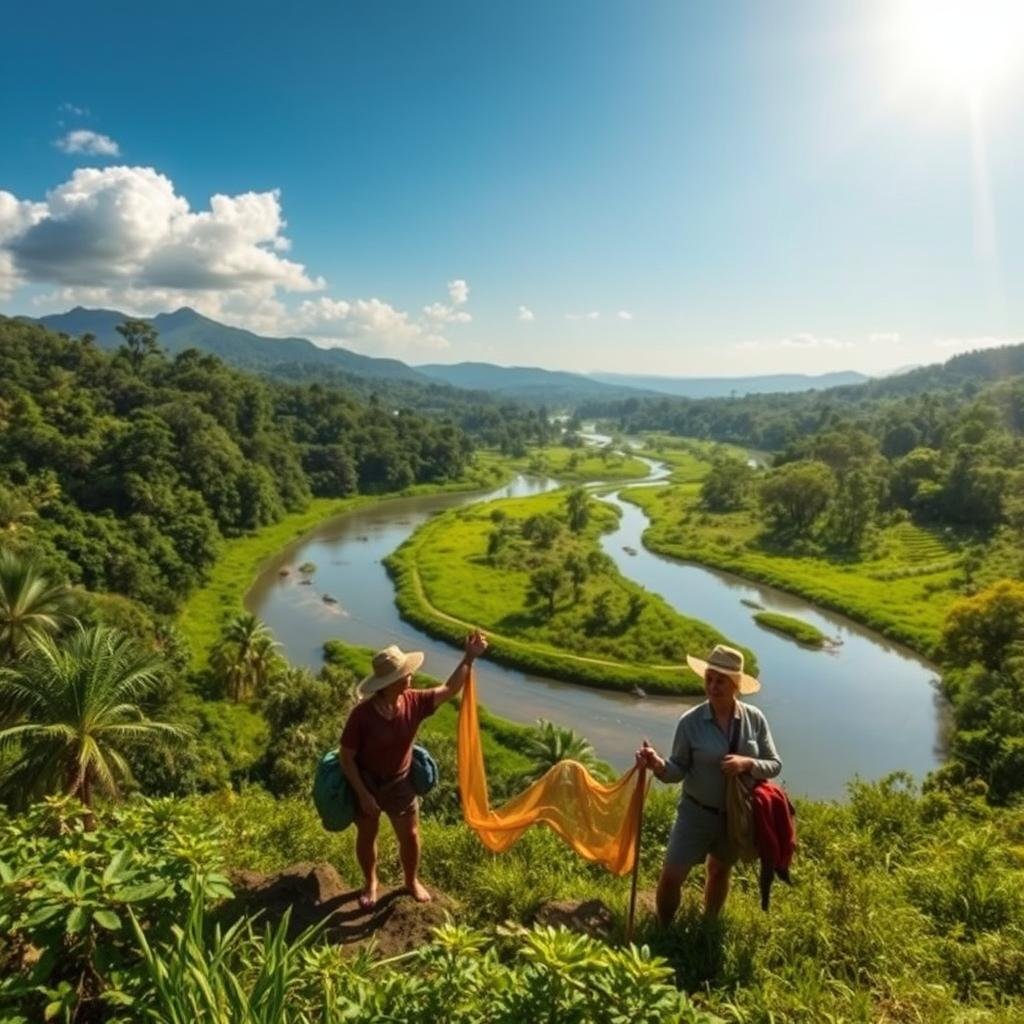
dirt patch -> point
(592, 917)
(316, 894)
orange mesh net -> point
(599, 821)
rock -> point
(591, 918)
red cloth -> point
(774, 834)
(383, 746)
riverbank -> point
(580, 465)
(902, 592)
(207, 608)
(602, 631)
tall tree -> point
(30, 605)
(577, 506)
(246, 657)
(140, 340)
(79, 707)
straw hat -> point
(389, 666)
(728, 661)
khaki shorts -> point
(695, 834)
(395, 797)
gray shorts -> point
(695, 834)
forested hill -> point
(909, 408)
(134, 464)
(185, 328)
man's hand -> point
(476, 645)
(648, 757)
(368, 805)
(736, 764)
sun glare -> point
(965, 46)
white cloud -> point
(126, 230)
(441, 313)
(884, 338)
(338, 320)
(624, 314)
(84, 141)
(954, 345)
(796, 341)
(71, 108)
(458, 292)
(123, 238)
(592, 315)
(526, 315)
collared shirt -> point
(699, 747)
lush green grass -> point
(689, 458)
(446, 582)
(576, 465)
(207, 608)
(904, 908)
(902, 588)
(802, 632)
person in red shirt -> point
(376, 756)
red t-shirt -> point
(383, 746)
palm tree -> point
(30, 605)
(549, 743)
(78, 708)
(246, 656)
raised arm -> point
(675, 766)
(476, 645)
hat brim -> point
(373, 683)
(748, 684)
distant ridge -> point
(185, 328)
(723, 387)
(528, 383)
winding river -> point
(868, 708)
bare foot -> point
(418, 892)
(368, 897)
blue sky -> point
(665, 187)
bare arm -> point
(366, 799)
(476, 644)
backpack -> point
(424, 770)
(333, 795)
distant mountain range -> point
(292, 358)
(723, 387)
(185, 328)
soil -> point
(316, 894)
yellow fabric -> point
(599, 821)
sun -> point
(964, 46)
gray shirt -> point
(699, 746)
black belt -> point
(703, 807)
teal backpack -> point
(333, 796)
(335, 799)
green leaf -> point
(42, 914)
(107, 919)
(77, 920)
(140, 892)
(114, 869)
(6, 874)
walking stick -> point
(631, 920)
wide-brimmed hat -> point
(389, 666)
(728, 661)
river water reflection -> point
(867, 709)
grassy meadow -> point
(606, 632)
(796, 629)
(902, 588)
(578, 465)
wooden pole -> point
(631, 920)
